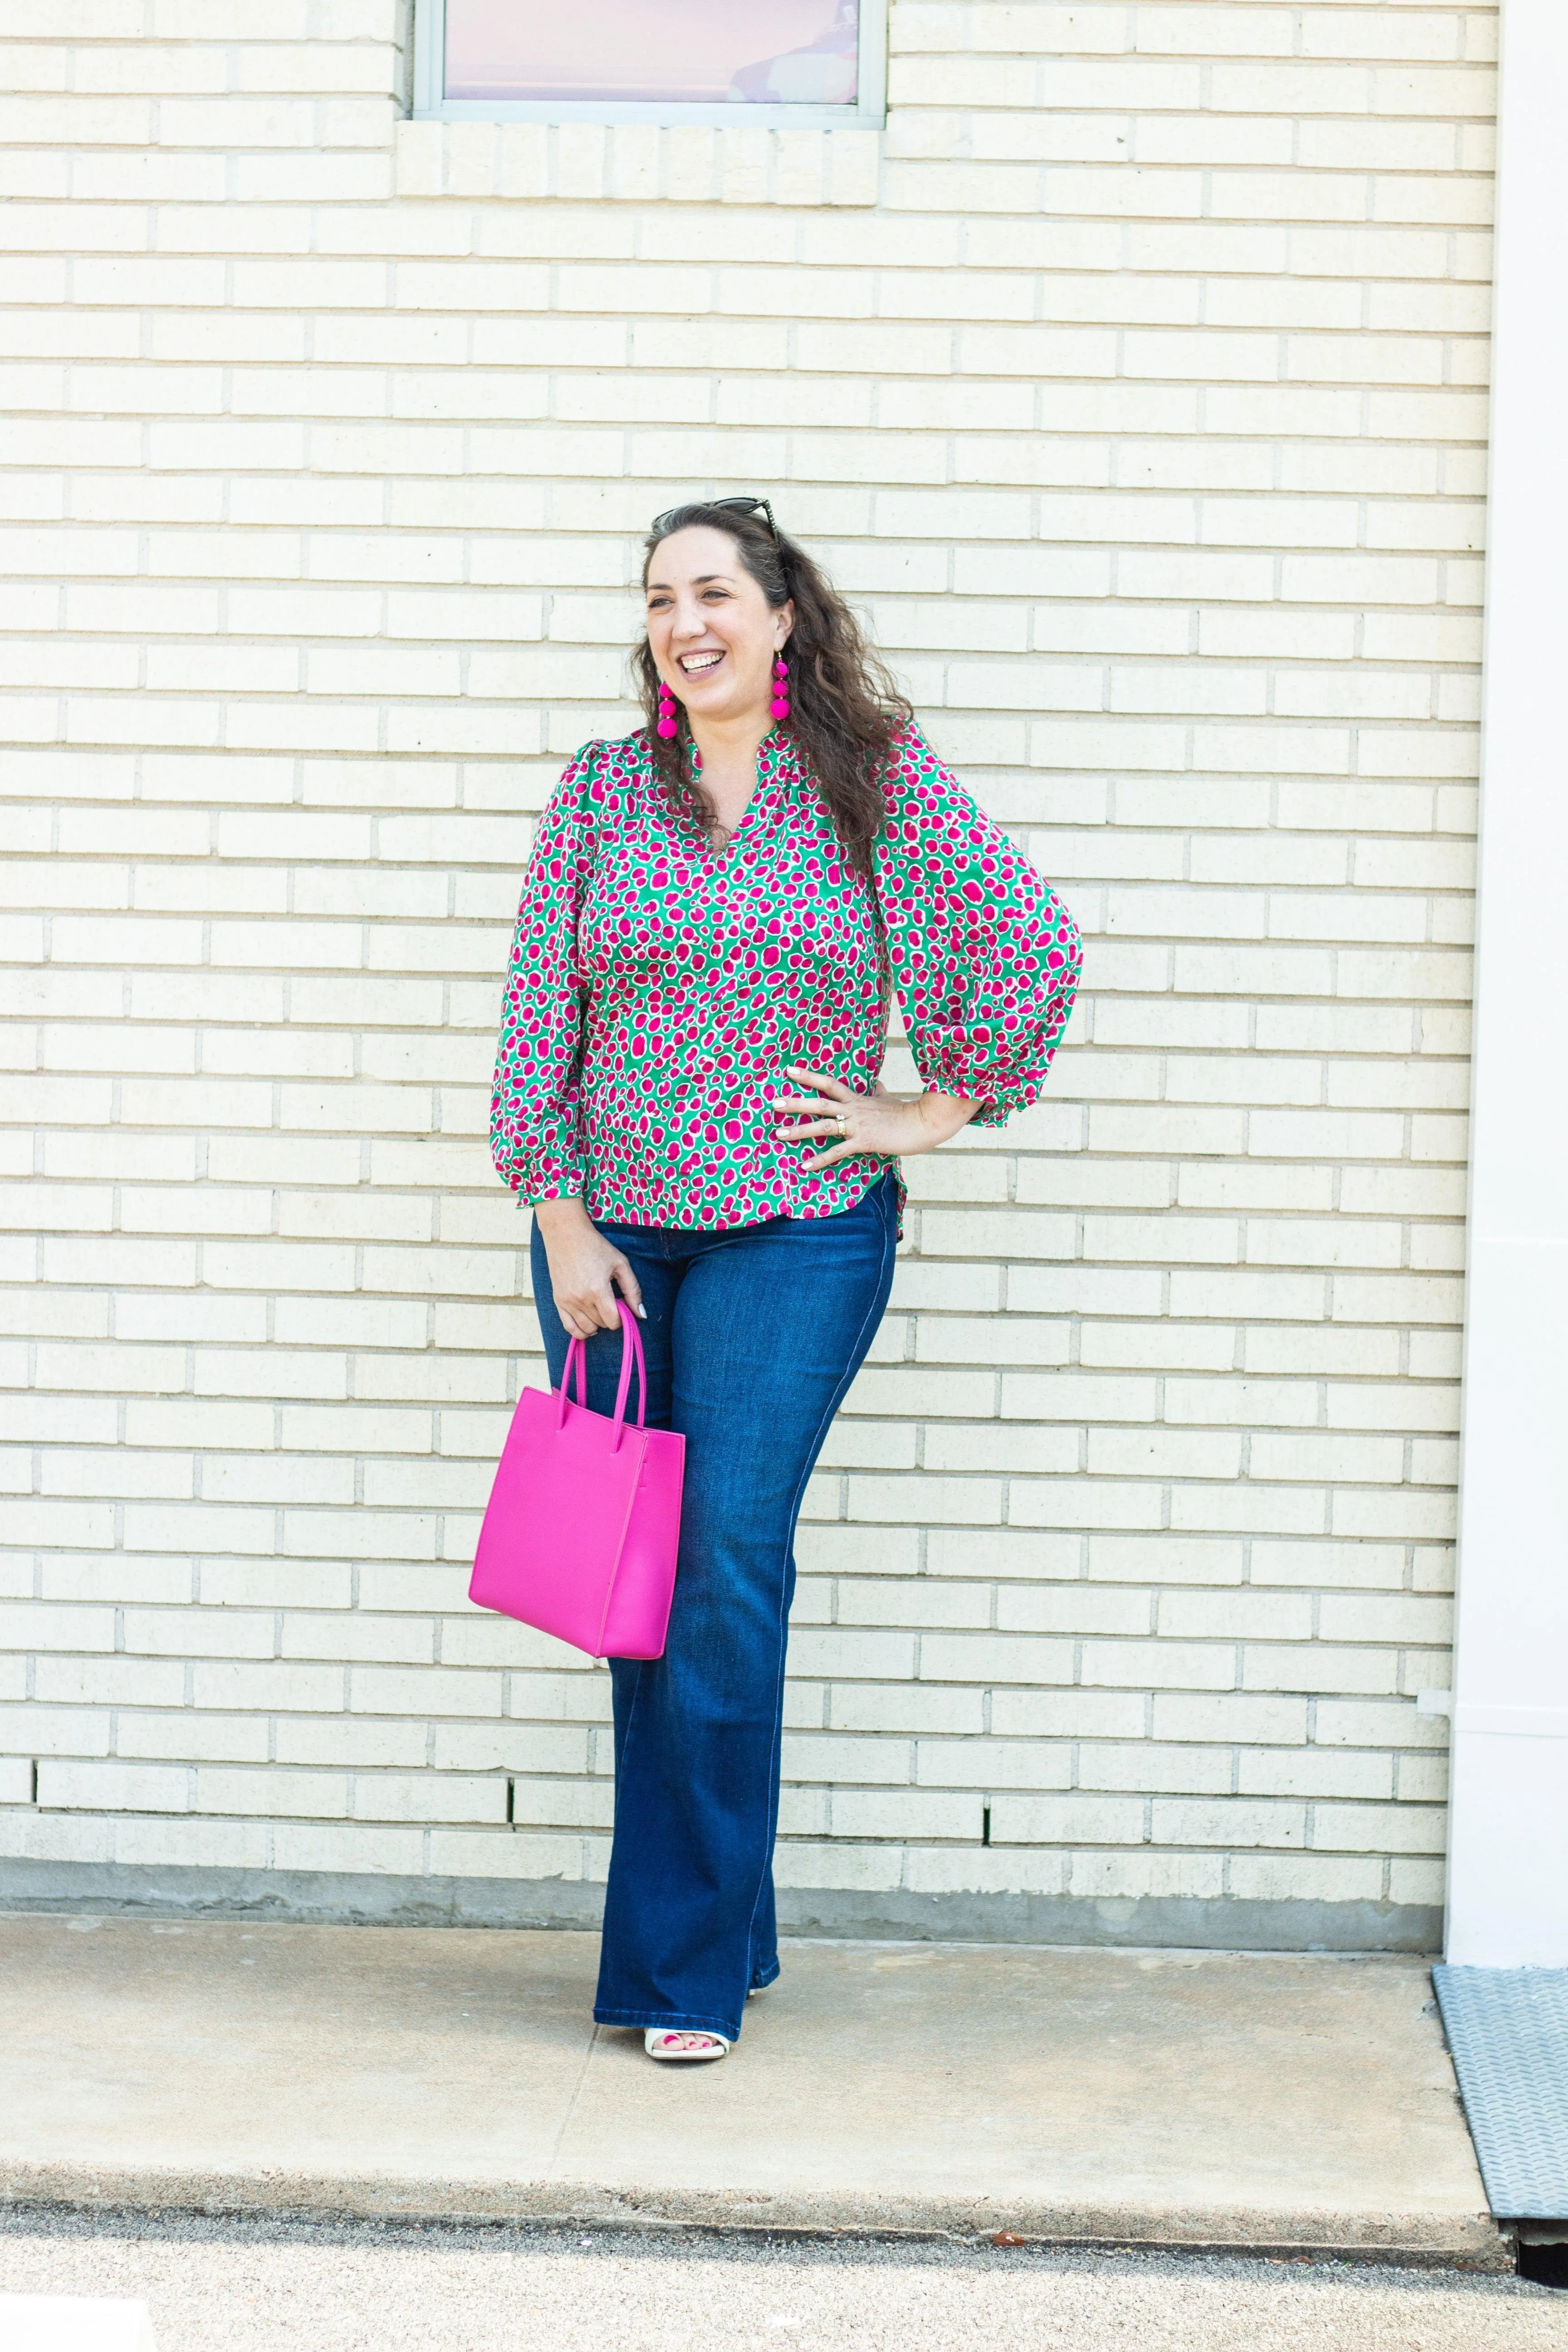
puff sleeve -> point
(984, 956)
(535, 1103)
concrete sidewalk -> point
(1267, 2103)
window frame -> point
(868, 112)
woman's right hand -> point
(586, 1272)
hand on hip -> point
(846, 1124)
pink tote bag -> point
(579, 1535)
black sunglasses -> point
(739, 506)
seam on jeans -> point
(890, 1245)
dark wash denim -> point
(753, 1336)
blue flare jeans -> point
(753, 1335)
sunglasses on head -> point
(739, 506)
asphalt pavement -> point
(218, 2287)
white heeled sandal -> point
(671, 2043)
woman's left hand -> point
(894, 1125)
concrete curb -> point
(1276, 2103)
(1407, 2240)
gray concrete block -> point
(344, 1899)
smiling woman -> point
(688, 1092)
(840, 699)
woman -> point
(687, 1094)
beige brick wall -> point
(1131, 384)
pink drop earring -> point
(779, 706)
(668, 724)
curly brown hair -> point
(844, 706)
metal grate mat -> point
(1508, 2030)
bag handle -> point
(631, 1353)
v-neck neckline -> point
(769, 752)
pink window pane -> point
(753, 52)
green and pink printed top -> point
(657, 991)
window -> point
(777, 62)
